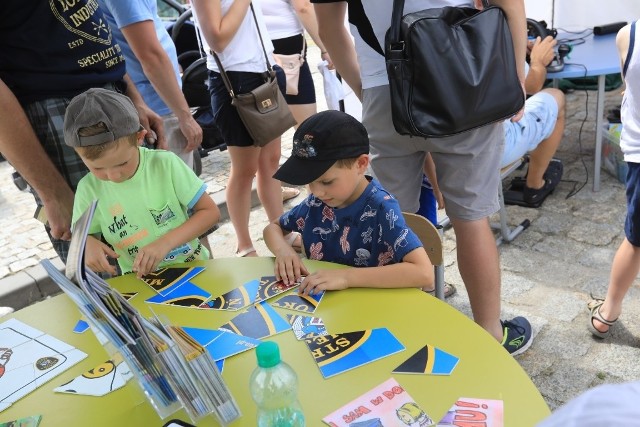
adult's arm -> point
(622, 43)
(336, 38)
(20, 146)
(217, 29)
(517, 20)
(306, 14)
(148, 118)
(143, 40)
(541, 55)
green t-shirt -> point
(134, 213)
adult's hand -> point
(542, 51)
(192, 132)
(59, 210)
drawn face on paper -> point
(98, 381)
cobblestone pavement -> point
(548, 272)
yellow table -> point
(485, 370)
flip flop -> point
(449, 290)
(289, 193)
(245, 252)
(295, 240)
(594, 308)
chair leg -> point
(507, 234)
(439, 272)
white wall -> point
(581, 14)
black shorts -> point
(632, 222)
(225, 115)
(306, 89)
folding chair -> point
(507, 233)
(431, 238)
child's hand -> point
(288, 266)
(96, 256)
(324, 280)
(149, 257)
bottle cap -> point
(268, 354)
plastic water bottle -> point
(274, 388)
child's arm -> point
(288, 266)
(415, 271)
(430, 172)
(95, 256)
(205, 215)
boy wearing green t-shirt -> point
(143, 195)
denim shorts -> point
(225, 115)
(632, 222)
(537, 124)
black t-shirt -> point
(56, 48)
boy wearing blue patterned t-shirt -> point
(348, 218)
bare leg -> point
(624, 270)
(269, 189)
(479, 267)
(301, 112)
(540, 157)
(244, 164)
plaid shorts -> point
(47, 119)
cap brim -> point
(296, 171)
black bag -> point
(450, 70)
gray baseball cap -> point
(97, 105)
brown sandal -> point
(594, 308)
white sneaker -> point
(5, 310)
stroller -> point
(194, 84)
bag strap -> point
(396, 19)
(223, 73)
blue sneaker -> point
(517, 335)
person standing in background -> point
(466, 164)
(49, 53)
(152, 62)
(604, 313)
(230, 28)
(286, 21)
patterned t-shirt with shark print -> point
(369, 232)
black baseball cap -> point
(319, 142)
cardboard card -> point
(258, 321)
(297, 302)
(80, 327)
(221, 343)
(128, 295)
(98, 381)
(29, 358)
(32, 421)
(353, 349)
(168, 279)
(235, 299)
(305, 326)
(428, 360)
(468, 411)
(388, 404)
(187, 295)
(270, 287)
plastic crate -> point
(612, 158)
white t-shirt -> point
(281, 19)
(630, 109)
(244, 52)
(369, 30)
